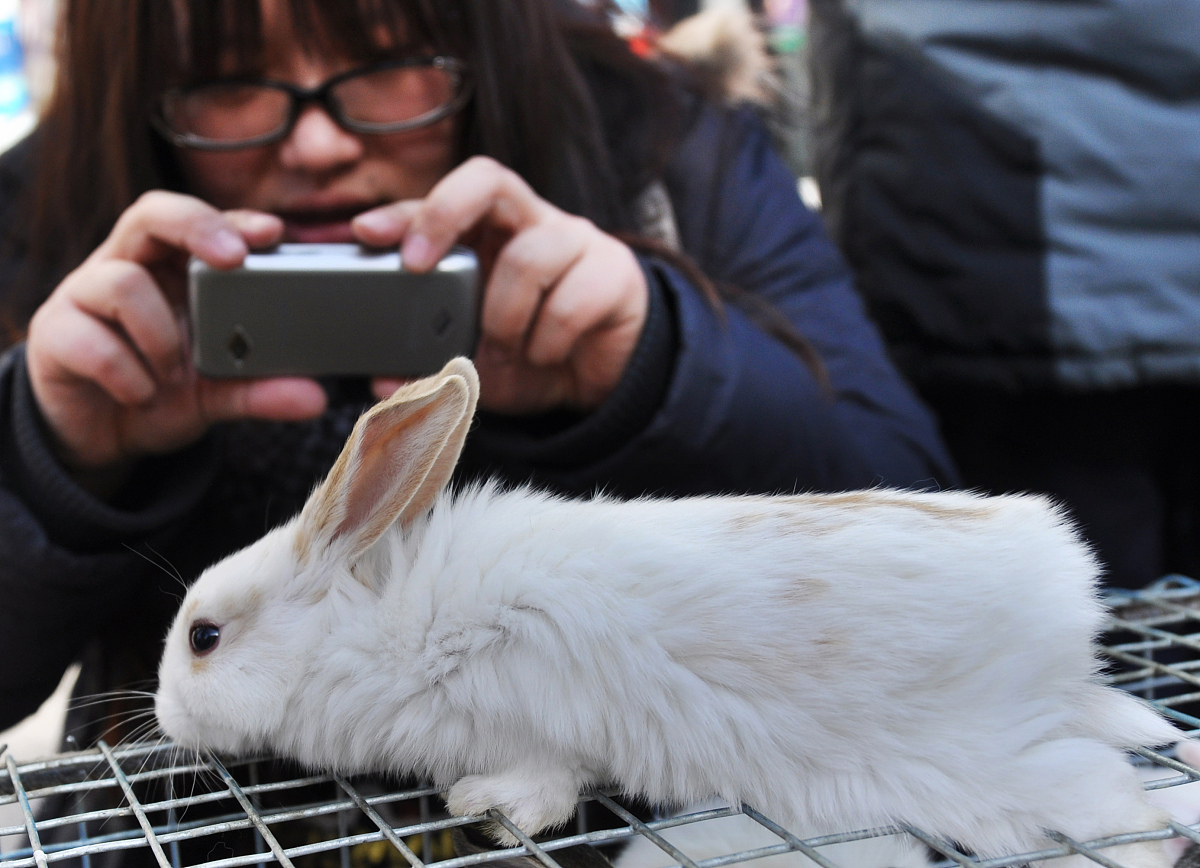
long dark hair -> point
(532, 110)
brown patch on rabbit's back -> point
(744, 521)
(830, 648)
(785, 516)
(825, 515)
(801, 590)
(956, 508)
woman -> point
(525, 129)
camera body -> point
(331, 309)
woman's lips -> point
(320, 226)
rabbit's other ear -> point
(397, 460)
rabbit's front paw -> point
(534, 799)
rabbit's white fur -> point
(843, 660)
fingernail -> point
(228, 243)
(261, 222)
(417, 251)
(374, 221)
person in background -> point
(1017, 188)
(606, 200)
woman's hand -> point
(563, 303)
(107, 350)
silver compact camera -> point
(331, 309)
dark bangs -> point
(214, 38)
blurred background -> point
(26, 64)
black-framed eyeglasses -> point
(388, 97)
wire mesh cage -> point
(156, 804)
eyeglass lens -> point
(231, 112)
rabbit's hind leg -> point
(1088, 790)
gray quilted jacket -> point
(1017, 183)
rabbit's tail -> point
(1120, 719)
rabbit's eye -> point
(204, 637)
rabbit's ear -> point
(397, 460)
(443, 464)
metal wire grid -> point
(166, 806)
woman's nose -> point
(316, 143)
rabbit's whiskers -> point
(162, 563)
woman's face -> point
(321, 175)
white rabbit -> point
(844, 660)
